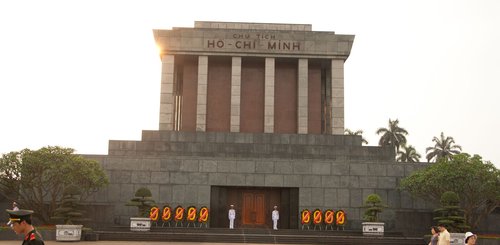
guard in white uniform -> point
(231, 215)
(276, 217)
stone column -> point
(337, 96)
(201, 104)
(302, 110)
(235, 94)
(166, 94)
(269, 96)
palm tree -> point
(443, 148)
(408, 154)
(357, 132)
(394, 135)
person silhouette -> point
(15, 206)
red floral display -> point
(203, 216)
(317, 217)
(305, 217)
(154, 213)
(191, 214)
(179, 213)
(329, 217)
(166, 214)
(340, 217)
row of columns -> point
(167, 97)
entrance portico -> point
(254, 205)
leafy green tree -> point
(37, 178)
(477, 182)
(357, 132)
(443, 148)
(408, 154)
(394, 135)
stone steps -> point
(255, 236)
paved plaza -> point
(116, 243)
(124, 242)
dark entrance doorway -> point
(253, 206)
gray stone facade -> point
(330, 171)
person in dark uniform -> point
(21, 224)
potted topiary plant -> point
(143, 200)
(70, 211)
(373, 206)
(452, 216)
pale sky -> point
(79, 73)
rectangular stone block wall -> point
(251, 145)
(185, 180)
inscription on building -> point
(254, 41)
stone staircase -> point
(264, 236)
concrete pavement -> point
(123, 243)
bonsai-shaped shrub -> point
(374, 206)
(450, 214)
(70, 209)
(143, 200)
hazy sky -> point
(79, 73)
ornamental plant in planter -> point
(143, 200)
(69, 210)
(450, 213)
(452, 216)
(373, 206)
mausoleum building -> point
(252, 114)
